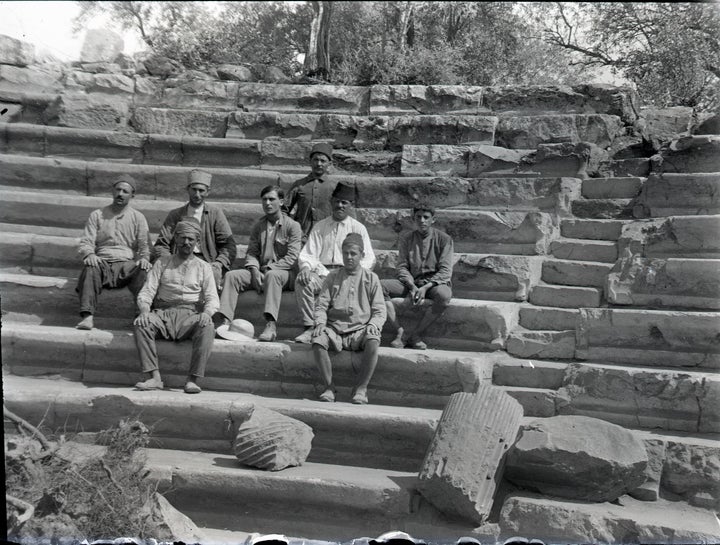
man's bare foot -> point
(398, 342)
(192, 388)
(306, 336)
(86, 323)
(150, 384)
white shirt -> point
(324, 245)
(197, 213)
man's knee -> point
(441, 297)
(234, 280)
(275, 277)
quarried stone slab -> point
(575, 273)
(693, 473)
(690, 154)
(553, 194)
(489, 159)
(656, 282)
(679, 194)
(505, 277)
(527, 132)
(439, 129)
(612, 188)
(602, 251)
(650, 489)
(551, 345)
(42, 173)
(85, 143)
(306, 98)
(100, 44)
(386, 192)
(591, 229)
(197, 94)
(564, 296)
(269, 440)
(111, 84)
(422, 99)
(604, 98)
(464, 462)
(650, 337)
(539, 318)
(679, 236)
(435, 160)
(577, 457)
(261, 125)
(16, 52)
(88, 112)
(179, 122)
(31, 79)
(660, 126)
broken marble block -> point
(650, 489)
(464, 462)
(269, 440)
(577, 457)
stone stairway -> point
(552, 297)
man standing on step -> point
(115, 250)
(309, 197)
(176, 303)
(349, 315)
(216, 245)
(425, 264)
(322, 253)
(270, 263)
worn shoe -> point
(86, 323)
(269, 334)
(149, 384)
(305, 337)
(360, 398)
(328, 396)
(397, 342)
(417, 344)
(192, 388)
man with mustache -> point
(115, 248)
(216, 244)
(176, 303)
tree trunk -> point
(406, 16)
(317, 59)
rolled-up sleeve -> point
(147, 294)
(444, 262)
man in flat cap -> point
(115, 249)
(270, 263)
(309, 197)
(176, 303)
(216, 245)
(323, 253)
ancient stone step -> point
(547, 345)
(467, 324)
(392, 437)
(551, 318)
(527, 132)
(603, 208)
(679, 194)
(693, 237)
(564, 296)
(666, 282)
(513, 232)
(633, 167)
(584, 250)
(680, 339)
(403, 377)
(575, 273)
(691, 154)
(611, 188)
(592, 229)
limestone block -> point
(200, 95)
(551, 345)
(440, 129)
(146, 87)
(575, 273)
(527, 132)
(564, 296)
(635, 166)
(641, 281)
(693, 473)
(604, 208)
(41, 173)
(431, 99)
(650, 489)
(708, 125)
(101, 67)
(679, 194)
(261, 125)
(691, 154)
(285, 152)
(611, 188)
(495, 160)
(506, 277)
(340, 99)
(532, 317)
(88, 112)
(405, 192)
(16, 52)
(687, 236)
(15, 250)
(112, 84)
(604, 98)
(591, 229)
(552, 194)
(661, 125)
(355, 132)
(631, 521)
(179, 122)
(166, 523)
(60, 141)
(435, 160)
(199, 151)
(157, 65)
(269, 440)
(650, 337)
(33, 79)
(536, 99)
(578, 458)
(101, 44)
(603, 251)
(372, 163)
(578, 160)
(78, 81)
(234, 72)
(635, 397)
(272, 74)
(464, 461)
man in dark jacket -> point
(216, 245)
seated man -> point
(270, 263)
(349, 315)
(115, 249)
(216, 245)
(181, 290)
(425, 264)
(323, 253)
(309, 197)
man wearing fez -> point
(176, 303)
(323, 253)
(309, 197)
(216, 245)
(425, 264)
(270, 263)
(115, 249)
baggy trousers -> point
(175, 324)
(108, 275)
(240, 280)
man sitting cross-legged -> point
(323, 253)
(269, 266)
(176, 303)
(425, 264)
(115, 248)
(349, 315)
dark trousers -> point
(440, 295)
(175, 324)
(115, 275)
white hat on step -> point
(237, 330)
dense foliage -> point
(669, 50)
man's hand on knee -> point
(92, 261)
(143, 319)
(372, 330)
(318, 330)
(204, 320)
(304, 277)
(257, 280)
(144, 264)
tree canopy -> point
(670, 51)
